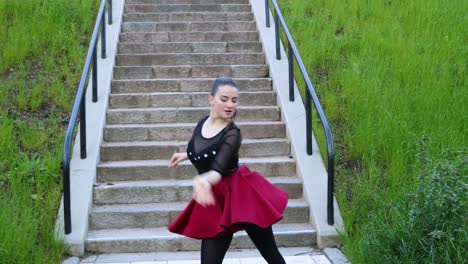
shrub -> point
(439, 211)
(429, 224)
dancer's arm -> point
(177, 157)
(202, 187)
(212, 177)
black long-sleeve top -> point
(219, 153)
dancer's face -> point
(224, 102)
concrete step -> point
(292, 255)
(144, 170)
(190, 47)
(132, 192)
(179, 2)
(152, 215)
(140, 150)
(183, 131)
(160, 239)
(189, 71)
(187, 17)
(188, 36)
(153, 8)
(178, 99)
(188, 26)
(186, 114)
(185, 85)
(189, 59)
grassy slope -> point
(387, 73)
(42, 51)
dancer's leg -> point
(265, 242)
(214, 249)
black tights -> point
(214, 249)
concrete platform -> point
(297, 255)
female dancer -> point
(226, 198)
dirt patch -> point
(321, 75)
(339, 32)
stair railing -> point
(293, 53)
(80, 105)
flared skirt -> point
(241, 199)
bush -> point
(429, 226)
(439, 211)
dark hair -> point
(220, 81)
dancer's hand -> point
(202, 191)
(176, 158)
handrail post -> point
(277, 34)
(66, 199)
(103, 36)
(331, 181)
(308, 121)
(83, 127)
(94, 69)
(291, 72)
(109, 11)
(267, 13)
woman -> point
(226, 198)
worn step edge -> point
(191, 4)
(190, 54)
(163, 207)
(161, 6)
(188, 108)
(151, 215)
(163, 233)
(115, 192)
(143, 8)
(194, 60)
(185, 65)
(189, 47)
(186, 1)
(245, 93)
(180, 143)
(144, 26)
(185, 85)
(185, 182)
(198, 36)
(144, 130)
(183, 131)
(192, 32)
(184, 71)
(188, 17)
(184, 114)
(165, 162)
(201, 79)
(191, 43)
(192, 125)
(137, 150)
(194, 255)
(160, 239)
(188, 22)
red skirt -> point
(241, 198)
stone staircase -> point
(168, 55)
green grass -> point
(387, 73)
(43, 47)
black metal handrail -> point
(80, 105)
(293, 53)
